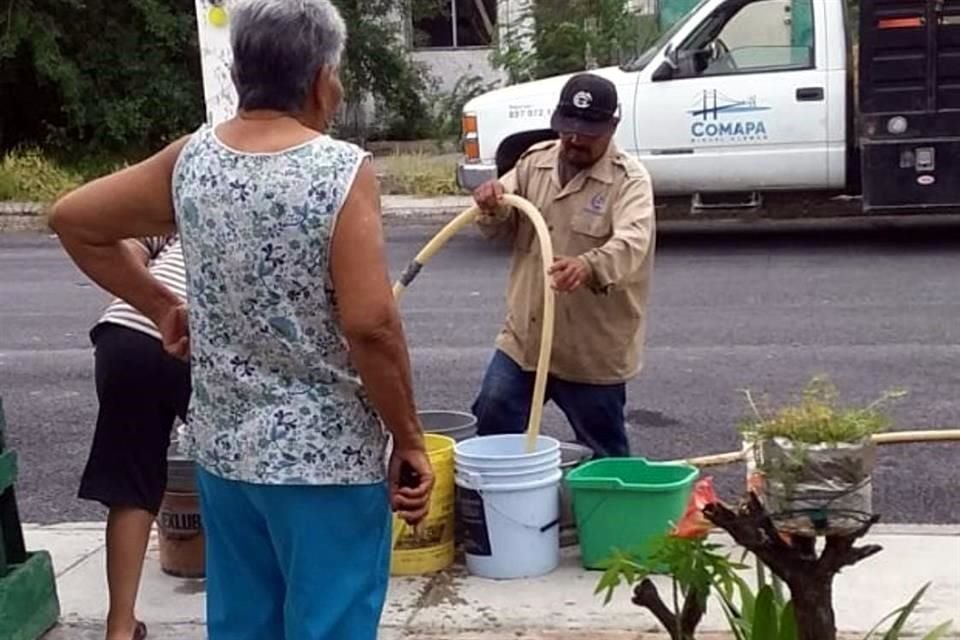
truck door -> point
(741, 104)
(909, 96)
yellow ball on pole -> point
(217, 16)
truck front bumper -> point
(471, 175)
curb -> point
(29, 216)
(22, 208)
(411, 210)
(22, 216)
(415, 211)
(393, 206)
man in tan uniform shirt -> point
(598, 205)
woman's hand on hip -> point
(411, 504)
(174, 329)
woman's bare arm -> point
(371, 322)
(93, 221)
(368, 313)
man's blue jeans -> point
(595, 412)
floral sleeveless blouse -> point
(275, 400)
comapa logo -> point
(717, 118)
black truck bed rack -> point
(909, 104)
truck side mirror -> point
(685, 64)
(663, 72)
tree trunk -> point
(813, 608)
(795, 561)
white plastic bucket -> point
(506, 451)
(499, 476)
(510, 513)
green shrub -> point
(449, 105)
(92, 166)
(572, 35)
(28, 175)
(8, 186)
(817, 417)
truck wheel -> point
(514, 146)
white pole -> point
(215, 59)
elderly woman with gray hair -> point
(297, 352)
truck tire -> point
(513, 147)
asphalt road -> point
(872, 309)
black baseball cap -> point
(588, 105)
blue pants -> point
(294, 562)
(595, 412)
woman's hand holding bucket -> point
(411, 482)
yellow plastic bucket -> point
(429, 547)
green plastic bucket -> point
(623, 504)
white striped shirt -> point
(166, 264)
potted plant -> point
(813, 460)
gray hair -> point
(279, 46)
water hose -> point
(895, 437)
(546, 333)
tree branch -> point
(752, 528)
(646, 595)
(693, 609)
(839, 551)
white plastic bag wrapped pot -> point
(815, 489)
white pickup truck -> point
(745, 101)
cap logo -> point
(582, 99)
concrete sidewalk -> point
(561, 606)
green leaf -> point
(735, 627)
(889, 616)
(905, 612)
(735, 622)
(778, 592)
(940, 631)
(621, 569)
(747, 599)
(765, 623)
(788, 623)
(724, 584)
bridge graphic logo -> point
(719, 118)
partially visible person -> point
(598, 204)
(297, 351)
(141, 390)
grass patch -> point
(28, 175)
(94, 166)
(419, 174)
